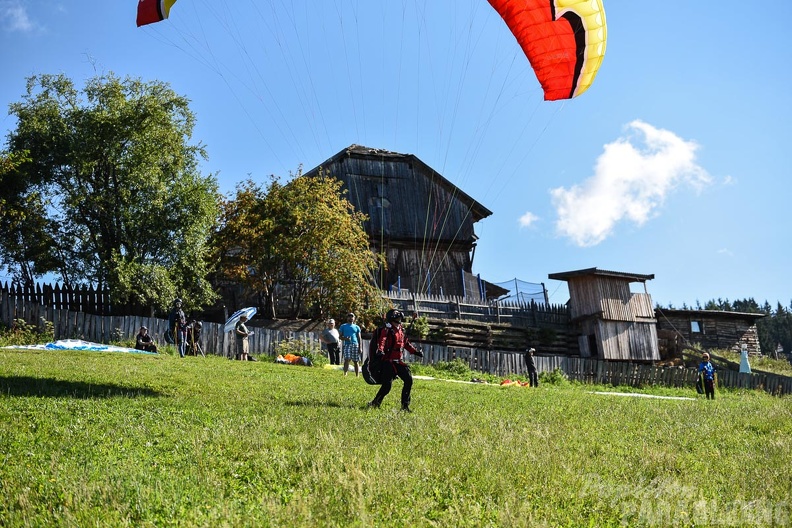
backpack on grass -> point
(700, 384)
(372, 366)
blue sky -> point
(674, 163)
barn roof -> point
(631, 277)
(477, 210)
(713, 314)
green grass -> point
(764, 363)
(103, 439)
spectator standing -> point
(143, 341)
(745, 365)
(391, 343)
(530, 364)
(330, 338)
(242, 333)
(352, 343)
(177, 326)
(707, 374)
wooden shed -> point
(420, 221)
(612, 322)
(708, 329)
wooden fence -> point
(515, 313)
(89, 299)
(614, 373)
(81, 298)
(104, 328)
(68, 324)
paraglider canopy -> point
(150, 11)
(564, 40)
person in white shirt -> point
(330, 339)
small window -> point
(695, 327)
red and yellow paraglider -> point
(564, 40)
(150, 11)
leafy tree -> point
(243, 245)
(26, 242)
(120, 201)
(303, 235)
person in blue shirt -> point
(707, 374)
(352, 343)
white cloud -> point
(14, 17)
(528, 219)
(632, 178)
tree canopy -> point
(303, 236)
(101, 186)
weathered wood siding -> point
(620, 340)
(628, 341)
(609, 298)
(622, 323)
(585, 297)
(403, 202)
(418, 270)
(614, 299)
(640, 307)
(422, 223)
(726, 331)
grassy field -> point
(113, 439)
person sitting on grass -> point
(143, 341)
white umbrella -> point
(248, 312)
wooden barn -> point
(419, 220)
(612, 322)
(709, 329)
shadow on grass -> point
(27, 386)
